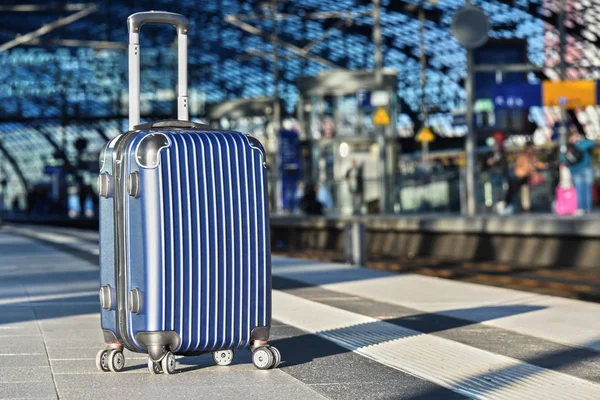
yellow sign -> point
(425, 135)
(381, 117)
(569, 94)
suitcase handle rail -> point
(134, 23)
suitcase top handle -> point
(137, 20)
(135, 23)
(172, 124)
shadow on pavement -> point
(48, 309)
(373, 333)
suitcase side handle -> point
(134, 24)
(172, 123)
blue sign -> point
(289, 167)
(517, 95)
(53, 169)
(498, 52)
(364, 100)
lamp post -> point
(563, 76)
(470, 27)
(423, 61)
(380, 129)
(278, 203)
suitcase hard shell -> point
(184, 242)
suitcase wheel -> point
(111, 360)
(115, 360)
(169, 363)
(266, 357)
(154, 367)
(101, 360)
(223, 357)
(277, 355)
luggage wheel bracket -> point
(159, 343)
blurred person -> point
(437, 165)
(324, 196)
(15, 204)
(82, 196)
(526, 174)
(354, 176)
(497, 163)
(30, 200)
(87, 201)
(579, 160)
(310, 205)
(298, 196)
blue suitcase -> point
(184, 235)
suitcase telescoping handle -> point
(135, 23)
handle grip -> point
(137, 20)
(172, 123)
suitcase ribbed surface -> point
(215, 285)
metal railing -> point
(435, 192)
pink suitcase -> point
(566, 200)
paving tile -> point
(17, 333)
(19, 345)
(85, 339)
(15, 315)
(261, 385)
(30, 398)
(29, 328)
(28, 374)
(66, 311)
(77, 317)
(74, 333)
(74, 341)
(27, 390)
(23, 360)
(86, 323)
(378, 390)
(8, 290)
(87, 353)
(88, 366)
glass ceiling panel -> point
(53, 81)
(71, 84)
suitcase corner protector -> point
(156, 342)
(260, 333)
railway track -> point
(563, 282)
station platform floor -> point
(344, 333)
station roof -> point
(72, 81)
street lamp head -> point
(470, 27)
